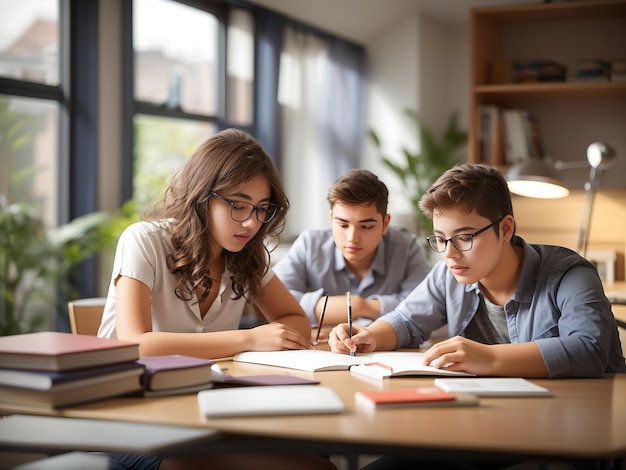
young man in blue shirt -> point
(362, 254)
(512, 309)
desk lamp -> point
(536, 178)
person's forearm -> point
(337, 309)
(384, 334)
(298, 322)
(207, 345)
(518, 360)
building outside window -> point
(31, 100)
(193, 74)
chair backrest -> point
(85, 315)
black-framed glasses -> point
(240, 211)
(462, 241)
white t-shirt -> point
(141, 254)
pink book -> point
(58, 351)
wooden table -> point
(585, 420)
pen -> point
(352, 353)
(319, 327)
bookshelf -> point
(570, 114)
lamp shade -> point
(535, 178)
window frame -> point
(132, 107)
(77, 139)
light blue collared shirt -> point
(559, 303)
(314, 266)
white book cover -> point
(266, 401)
(493, 387)
(56, 433)
(516, 148)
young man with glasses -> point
(379, 265)
(512, 309)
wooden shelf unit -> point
(565, 32)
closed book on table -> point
(46, 380)
(58, 351)
(175, 371)
(111, 385)
(54, 434)
(494, 387)
(264, 401)
(413, 397)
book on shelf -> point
(376, 364)
(58, 351)
(493, 387)
(618, 70)
(68, 393)
(515, 140)
(413, 397)
(264, 401)
(593, 70)
(521, 135)
(175, 371)
(490, 135)
(504, 71)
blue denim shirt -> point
(314, 266)
(559, 303)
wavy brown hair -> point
(227, 159)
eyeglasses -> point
(462, 241)
(240, 211)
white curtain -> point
(300, 93)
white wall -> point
(420, 64)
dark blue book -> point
(47, 380)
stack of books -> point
(593, 70)
(54, 369)
(527, 71)
(618, 70)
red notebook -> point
(423, 396)
(58, 351)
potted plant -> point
(418, 170)
(35, 263)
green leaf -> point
(437, 154)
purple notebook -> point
(272, 379)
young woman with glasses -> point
(512, 308)
(181, 277)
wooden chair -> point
(85, 315)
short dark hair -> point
(469, 186)
(359, 187)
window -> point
(193, 75)
(30, 103)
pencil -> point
(352, 353)
(319, 327)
